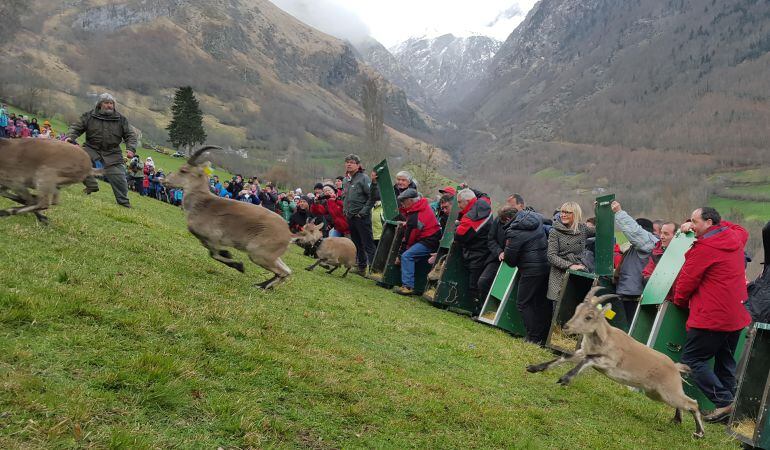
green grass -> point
(117, 330)
(751, 210)
(760, 175)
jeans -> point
(409, 259)
(335, 233)
(718, 385)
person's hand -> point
(616, 206)
(577, 267)
(432, 259)
(686, 227)
(71, 141)
(401, 223)
(501, 256)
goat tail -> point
(683, 368)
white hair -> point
(466, 195)
(405, 174)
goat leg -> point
(330, 271)
(313, 266)
(25, 198)
(346, 272)
(582, 365)
(677, 416)
(534, 368)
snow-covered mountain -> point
(446, 67)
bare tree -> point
(372, 102)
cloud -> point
(510, 13)
(327, 16)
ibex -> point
(41, 164)
(332, 252)
(219, 223)
(623, 359)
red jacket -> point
(421, 226)
(712, 282)
(334, 207)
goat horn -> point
(193, 160)
(603, 299)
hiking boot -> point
(719, 415)
(403, 290)
(89, 191)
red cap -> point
(448, 190)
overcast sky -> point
(394, 21)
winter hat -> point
(409, 193)
(646, 224)
(106, 97)
(318, 186)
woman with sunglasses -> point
(566, 243)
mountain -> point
(446, 66)
(675, 74)
(265, 80)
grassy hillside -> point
(117, 330)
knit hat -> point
(409, 193)
(353, 157)
(318, 186)
(106, 97)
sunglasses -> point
(567, 212)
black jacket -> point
(474, 240)
(527, 244)
(496, 239)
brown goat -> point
(219, 223)
(332, 252)
(621, 358)
(41, 164)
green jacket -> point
(358, 195)
(103, 136)
(287, 209)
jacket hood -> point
(419, 205)
(479, 209)
(723, 238)
(526, 220)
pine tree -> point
(186, 127)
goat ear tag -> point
(609, 314)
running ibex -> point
(41, 164)
(219, 223)
(623, 359)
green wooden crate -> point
(390, 213)
(381, 255)
(659, 285)
(750, 421)
(500, 309)
(668, 336)
(392, 273)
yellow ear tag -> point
(207, 170)
(610, 314)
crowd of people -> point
(712, 282)
(14, 126)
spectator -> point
(566, 243)
(301, 216)
(629, 282)
(421, 237)
(526, 248)
(712, 283)
(269, 197)
(318, 210)
(358, 203)
(3, 122)
(217, 185)
(445, 209)
(136, 172)
(496, 243)
(447, 191)
(33, 125)
(656, 227)
(105, 128)
(471, 236)
(404, 181)
(667, 232)
(334, 207)
(338, 184)
(225, 191)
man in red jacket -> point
(421, 236)
(712, 283)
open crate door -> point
(389, 213)
(750, 421)
(447, 239)
(500, 308)
(668, 336)
(659, 285)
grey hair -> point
(466, 195)
(406, 174)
